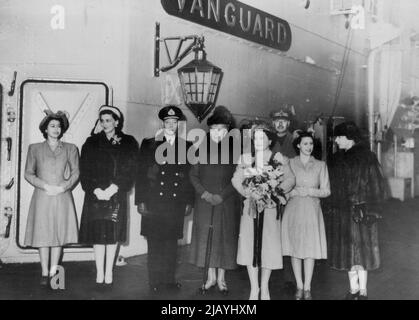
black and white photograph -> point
(216, 152)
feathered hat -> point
(61, 116)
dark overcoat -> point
(164, 186)
(216, 179)
(104, 162)
(356, 184)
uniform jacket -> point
(287, 149)
(163, 186)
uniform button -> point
(162, 183)
(162, 172)
(161, 193)
(176, 174)
(175, 184)
(174, 194)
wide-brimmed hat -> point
(61, 116)
(170, 112)
(221, 115)
(349, 130)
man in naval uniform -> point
(163, 197)
(281, 120)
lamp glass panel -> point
(200, 76)
(188, 86)
(207, 85)
(213, 86)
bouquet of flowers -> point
(263, 185)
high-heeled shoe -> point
(307, 295)
(44, 281)
(352, 296)
(173, 286)
(99, 280)
(222, 287)
(254, 295)
(264, 295)
(207, 287)
(299, 294)
(108, 280)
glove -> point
(188, 210)
(206, 196)
(100, 195)
(255, 196)
(216, 199)
(53, 190)
(110, 191)
(142, 209)
(293, 193)
(302, 191)
(247, 193)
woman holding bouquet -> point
(303, 231)
(262, 178)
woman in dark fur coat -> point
(107, 173)
(357, 189)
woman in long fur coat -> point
(357, 189)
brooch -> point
(116, 140)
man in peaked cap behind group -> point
(281, 120)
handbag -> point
(362, 215)
(106, 209)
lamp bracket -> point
(195, 44)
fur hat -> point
(221, 115)
(61, 116)
(349, 130)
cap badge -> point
(281, 114)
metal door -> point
(82, 101)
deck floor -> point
(398, 278)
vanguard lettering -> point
(236, 18)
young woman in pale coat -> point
(52, 167)
(303, 231)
